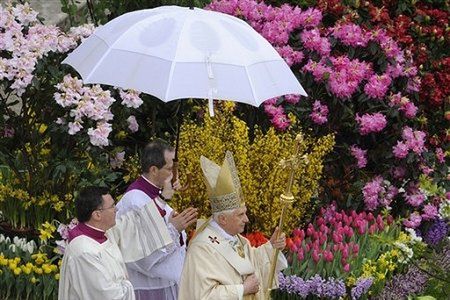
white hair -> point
(227, 212)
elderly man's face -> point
(234, 223)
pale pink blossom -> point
(130, 98)
(99, 135)
(132, 124)
(117, 160)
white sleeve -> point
(166, 263)
(140, 232)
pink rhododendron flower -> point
(414, 220)
(369, 123)
(280, 121)
(377, 86)
(360, 156)
(312, 40)
(350, 35)
(400, 150)
(292, 99)
(291, 56)
(319, 113)
(430, 212)
(319, 70)
(377, 192)
(440, 155)
(272, 110)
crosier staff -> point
(286, 198)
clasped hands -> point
(187, 217)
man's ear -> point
(222, 219)
(152, 170)
(96, 216)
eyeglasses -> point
(105, 208)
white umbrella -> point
(176, 52)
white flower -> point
(406, 252)
(413, 236)
(444, 209)
(12, 247)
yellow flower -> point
(17, 271)
(33, 279)
(57, 276)
(26, 270)
(37, 270)
(42, 128)
(46, 268)
(351, 281)
(39, 258)
(257, 160)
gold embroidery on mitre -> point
(222, 183)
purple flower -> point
(362, 286)
(437, 231)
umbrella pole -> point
(286, 200)
(177, 142)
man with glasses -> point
(157, 276)
(93, 266)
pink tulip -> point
(355, 249)
(328, 256)
(315, 256)
(347, 268)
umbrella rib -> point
(172, 65)
(251, 86)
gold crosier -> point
(286, 198)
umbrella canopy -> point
(174, 52)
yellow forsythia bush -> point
(258, 162)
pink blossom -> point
(377, 86)
(292, 98)
(318, 69)
(99, 135)
(310, 18)
(414, 220)
(430, 212)
(74, 127)
(400, 150)
(292, 57)
(132, 124)
(118, 160)
(350, 35)
(371, 123)
(130, 98)
(280, 122)
(440, 155)
(414, 196)
(319, 113)
(360, 156)
(272, 110)
(312, 40)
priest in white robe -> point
(157, 276)
(221, 263)
(93, 266)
